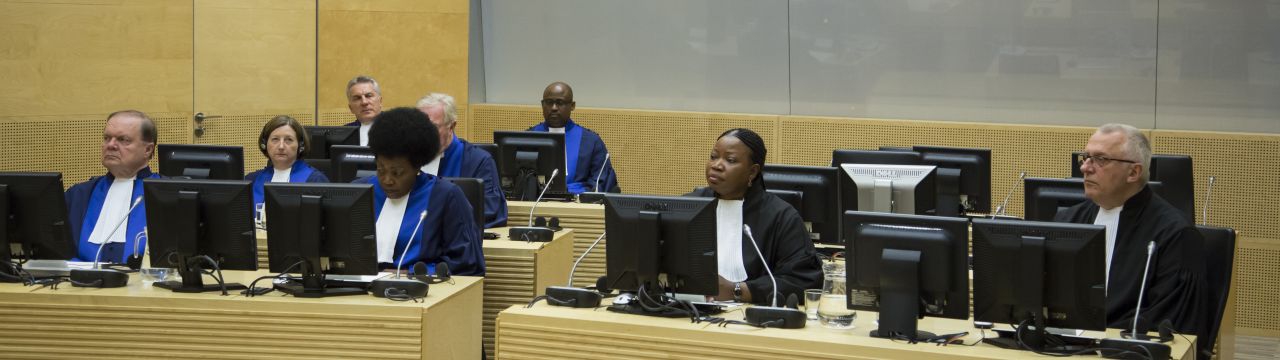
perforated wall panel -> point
(243, 130)
(71, 145)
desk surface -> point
(549, 331)
(141, 321)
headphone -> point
(442, 274)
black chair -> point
(473, 188)
(1219, 250)
(492, 149)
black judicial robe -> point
(1177, 288)
(781, 235)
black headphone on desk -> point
(442, 274)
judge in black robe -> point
(776, 225)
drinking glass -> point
(812, 297)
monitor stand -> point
(193, 281)
(900, 296)
(313, 286)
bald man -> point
(95, 206)
(585, 153)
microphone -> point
(397, 288)
(571, 296)
(532, 233)
(597, 195)
(97, 276)
(1151, 249)
(136, 201)
(1000, 209)
(772, 316)
(1208, 196)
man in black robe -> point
(1116, 170)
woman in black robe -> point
(734, 173)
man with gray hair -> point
(96, 206)
(459, 158)
(1116, 167)
(364, 98)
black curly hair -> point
(404, 132)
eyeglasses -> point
(1100, 160)
(555, 102)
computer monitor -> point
(907, 267)
(1174, 171)
(1043, 274)
(974, 173)
(473, 189)
(318, 229)
(903, 189)
(661, 244)
(820, 200)
(33, 220)
(214, 162)
(325, 137)
(200, 225)
(1043, 198)
(350, 162)
(526, 162)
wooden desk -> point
(546, 331)
(517, 271)
(141, 321)
(587, 221)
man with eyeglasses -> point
(585, 154)
(1116, 169)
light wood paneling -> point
(82, 58)
(587, 222)
(255, 57)
(410, 47)
(517, 271)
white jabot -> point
(555, 130)
(729, 241)
(433, 167)
(560, 130)
(114, 208)
(388, 228)
(364, 133)
(1111, 219)
(281, 175)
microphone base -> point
(572, 297)
(1129, 349)
(411, 288)
(531, 233)
(99, 278)
(591, 197)
(790, 318)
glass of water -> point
(812, 297)
(260, 216)
(833, 311)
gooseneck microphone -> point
(544, 192)
(1151, 249)
(1000, 209)
(397, 288)
(534, 233)
(771, 316)
(97, 276)
(136, 201)
(601, 173)
(1208, 196)
(571, 296)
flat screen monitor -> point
(318, 229)
(903, 189)
(351, 162)
(1041, 274)
(526, 162)
(33, 220)
(325, 137)
(974, 167)
(200, 225)
(1174, 171)
(1043, 198)
(888, 157)
(907, 267)
(214, 162)
(819, 196)
(661, 243)
(473, 189)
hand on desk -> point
(726, 292)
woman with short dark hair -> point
(284, 142)
(734, 174)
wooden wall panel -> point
(255, 57)
(411, 48)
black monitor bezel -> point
(171, 167)
(631, 248)
(509, 168)
(227, 234)
(42, 191)
(776, 178)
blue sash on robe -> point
(299, 173)
(451, 163)
(419, 200)
(572, 142)
(136, 224)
